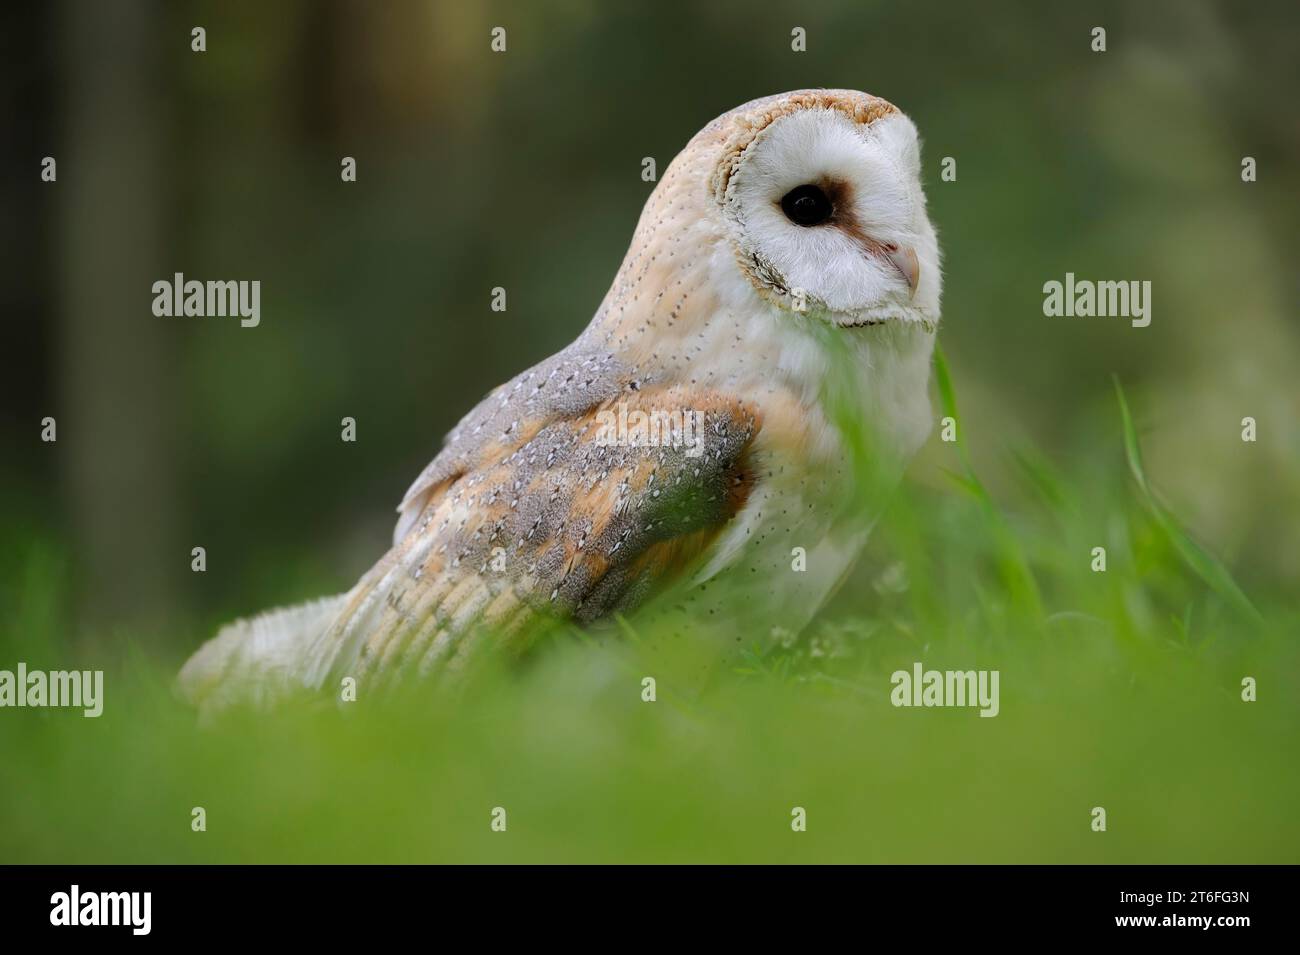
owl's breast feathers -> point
(534, 511)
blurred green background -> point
(522, 170)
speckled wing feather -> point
(530, 515)
(565, 385)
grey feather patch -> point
(566, 385)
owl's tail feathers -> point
(262, 660)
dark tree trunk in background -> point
(118, 401)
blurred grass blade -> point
(1208, 567)
(1012, 565)
(948, 401)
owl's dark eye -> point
(806, 206)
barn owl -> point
(781, 292)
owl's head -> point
(819, 193)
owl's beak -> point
(904, 259)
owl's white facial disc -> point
(828, 214)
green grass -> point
(1119, 689)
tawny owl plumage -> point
(784, 267)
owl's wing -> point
(566, 385)
(525, 520)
